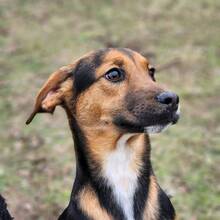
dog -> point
(113, 103)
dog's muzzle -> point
(171, 101)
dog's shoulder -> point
(166, 209)
(72, 212)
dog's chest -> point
(121, 175)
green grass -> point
(36, 37)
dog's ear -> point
(53, 91)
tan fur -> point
(91, 206)
(151, 208)
(137, 144)
(50, 94)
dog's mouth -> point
(157, 128)
(148, 122)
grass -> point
(36, 37)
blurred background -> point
(180, 37)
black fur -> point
(4, 213)
(107, 199)
(84, 73)
(166, 208)
(83, 174)
(72, 212)
(129, 126)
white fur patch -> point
(155, 129)
(120, 175)
(178, 110)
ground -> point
(181, 38)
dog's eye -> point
(152, 71)
(115, 75)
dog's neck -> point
(114, 172)
(116, 165)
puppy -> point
(113, 103)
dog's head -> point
(110, 88)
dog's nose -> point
(168, 98)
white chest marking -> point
(120, 175)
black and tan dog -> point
(112, 102)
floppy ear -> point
(53, 91)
